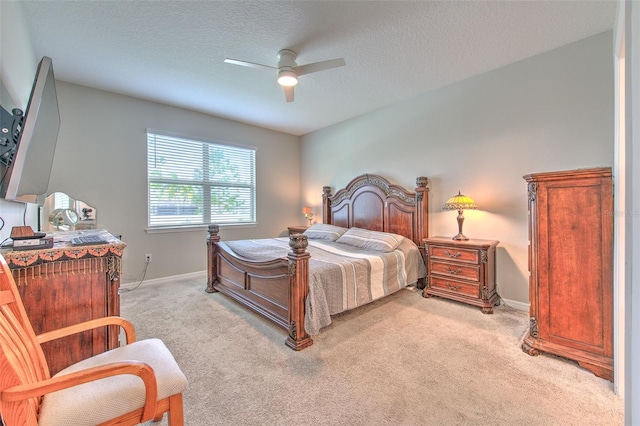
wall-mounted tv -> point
(28, 143)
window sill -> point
(198, 228)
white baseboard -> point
(520, 306)
(190, 275)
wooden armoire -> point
(571, 267)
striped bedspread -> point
(342, 277)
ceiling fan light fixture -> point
(287, 78)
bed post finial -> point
(213, 229)
(298, 242)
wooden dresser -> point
(571, 267)
(462, 270)
(65, 285)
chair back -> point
(21, 361)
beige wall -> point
(550, 112)
(101, 160)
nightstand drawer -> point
(454, 286)
(454, 253)
(456, 270)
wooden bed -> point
(277, 288)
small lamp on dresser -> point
(460, 202)
(306, 211)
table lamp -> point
(306, 211)
(460, 202)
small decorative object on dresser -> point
(306, 211)
(462, 270)
(298, 229)
(571, 267)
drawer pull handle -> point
(452, 287)
(452, 254)
(456, 272)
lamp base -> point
(460, 237)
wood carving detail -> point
(485, 292)
(293, 332)
(532, 189)
(298, 243)
(113, 267)
(529, 350)
(212, 258)
(533, 327)
(375, 181)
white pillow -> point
(322, 231)
(371, 240)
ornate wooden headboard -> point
(371, 202)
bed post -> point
(212, 268)
(298, 338)
(422, 215)
(326, 204)
(422, 207)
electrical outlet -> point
(147, 258)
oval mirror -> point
(63, 219)
(59, 212)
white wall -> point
(550, 112)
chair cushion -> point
(98, 401)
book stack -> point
(25, 239)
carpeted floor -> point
(403, 360)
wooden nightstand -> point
(298, 229)
(462, 270)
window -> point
(61, 201)
(196, 183)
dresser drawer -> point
(455, 270)
(455, 253)
(454, 286)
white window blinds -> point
(196, 183)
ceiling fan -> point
(289, 71)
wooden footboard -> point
(276, 289)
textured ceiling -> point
(173, 51)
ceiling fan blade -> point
(319, 66)
(248, 64)
(288, 93)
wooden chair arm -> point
(136, 368)
(126, 325)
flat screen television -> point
(27, 157)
